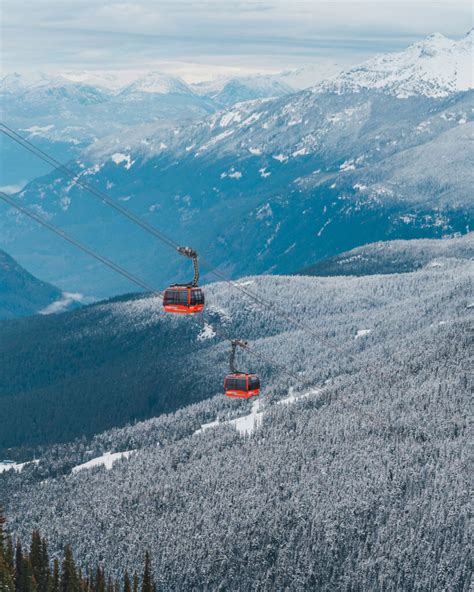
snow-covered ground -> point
(6, 465)
(106, 460)
(247, 424)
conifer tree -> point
(135, 582)
(2, 532)
(39, 561)
(6, 568)
(69, 580)
(53, 585)
(6, 576)
(10, 555)
(127, 587)
(20, 570)
(99, 580)
(45, 563)
(30, 584)
(147, 582)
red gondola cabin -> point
(183, 299)
(242, 385)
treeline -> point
(34, 571)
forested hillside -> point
(359, 484)
(122, 360)
(394, 257)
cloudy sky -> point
(201, 39)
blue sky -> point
(198, 39)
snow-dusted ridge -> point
(435, 67)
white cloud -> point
(215, 34)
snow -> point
(323, 227)
(106, 460)
(362, 333)
(263, 173)
(118, 158)
(348, 165)
(280, 157)
(158, 83)
(207, 426)
(264, 212)
(7, 465)
(255, 151)
(247, 424)
(93, 170)
(300, 152)
(230, 117)
(206, 333)
(37, 130)
(231, 174)
(292, 398)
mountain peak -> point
(435, 67)
(158, 83)
(469, 36)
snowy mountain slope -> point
(301, 177)
(434, 67)
(67, 114)
(394, 257)
(110, 363)
(22, 294)
(157, 83)
(348, 474)
(229, 91)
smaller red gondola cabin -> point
(185, 298)
(242, 385)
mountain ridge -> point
(22, 294)
(434, 67)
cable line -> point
(76, 243)
(260, 300)
(134, 279)
(263, 302)
(117, 268)
(75, 177)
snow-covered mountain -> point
(157, 83)
(229, 91)
(434, 67)
(302, 177)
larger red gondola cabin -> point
(241, 385)
(183, 299)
